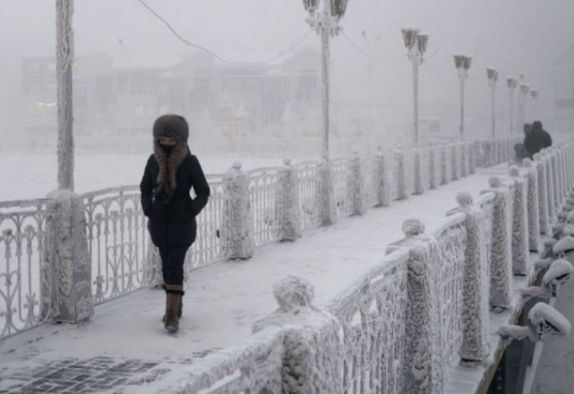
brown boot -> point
(171, 321)
(179, 312)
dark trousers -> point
(173, 241)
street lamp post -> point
(326, 24)
(462, 64)
(416, 44)
(492, 75)
(534, 95)
(524, 90)
(512, 85)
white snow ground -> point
(223, 300)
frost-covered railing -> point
(22, 252)
(371, 313)
(245, 210)
(407, 322)
(117, 241)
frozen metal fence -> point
(264, 192)
(371, 313)
(308, 174)
(117, 241)
(22, 225)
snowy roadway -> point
(223, 300)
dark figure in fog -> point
(170, 173)
(537, 139)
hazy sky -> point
(512, 35)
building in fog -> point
(126, 95)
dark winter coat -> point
(537, 139)
(172, 213)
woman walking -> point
(170, 173)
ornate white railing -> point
(22, 234)
(245, 210)
(404, 325)
(118, 241)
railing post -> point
(520, 248)
(67, 265)
(325, 195)
(455, 162)
(472, 158)
(433, 181)
(237, 215)
(313, 349)
(422, 369)
(419, 184)
(475, 314)
(463, 160)
(550, 185)
(540, 165)
(444, 165)
(533, 206)
(356, 185)
(289, 213)
(382, 184)
(401, 172)
(501, 255)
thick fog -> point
(371, 76)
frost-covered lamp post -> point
(64, 64)
(512, 85)
(326, 24)
(416, 44)
(534, 111)
(492, 75)
(524, 90)
(462, 64)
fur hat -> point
(173, 126)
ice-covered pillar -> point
(422, 369)
(313, 349)
(401, 173)
(237, 216)
(67, 263)
(463, 159)
(433, 181)
(325, 194)
(472, 158)
(382, 183)
(289, 213)
(501, 254)
(533, 208)
(455, 166)
(520, 249)
(444, 165)
(540, 165)
(555, 179)
(356, 185)
(419, 184)
(475, 306)
(550, 185)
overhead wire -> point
(201, 48)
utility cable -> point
(175, 33)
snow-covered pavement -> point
(223, 300)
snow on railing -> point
(404, 325)
(371, 313)
(245, 210)
(308, 174)
(117, 241)
(22, 283)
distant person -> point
(527, 128)
(170, 173)
(520, 152)
(537, 139)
